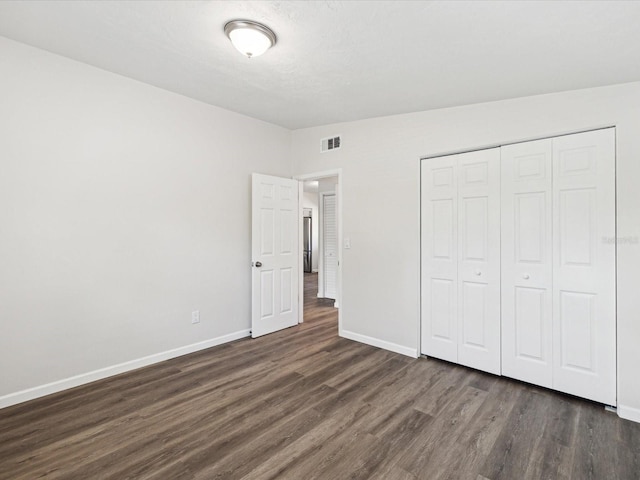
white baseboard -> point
(83, 378)
(393, 347)
(629, 413)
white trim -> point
(84, 378)
(300, 251)
(545, 136)
(375, 342)
(629, 413)
(338, 302)
(419, 256)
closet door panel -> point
(479, 260)
(439, 258)
(584, 307)
(527, 261)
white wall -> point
(123, 207)
(310, 200)
(327, 184)
(381, 191)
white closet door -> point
(330, 245)
(584, 306)
(479, 259)
(439, 258)
(527, 261)
(461, 259)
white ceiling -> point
(339, 61)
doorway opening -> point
(320, 240)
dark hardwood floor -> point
(303, 404)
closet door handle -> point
(478, 272)
(525, 276)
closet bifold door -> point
(526, 177)
(460, 230)
(439, 254)
(584, 274)
(479, 260)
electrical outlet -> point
(195, 316)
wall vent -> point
(330, 143)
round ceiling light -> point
(250, 38)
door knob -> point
(525, 276)
(478, 272)
(258, 264)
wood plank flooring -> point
(305, 404)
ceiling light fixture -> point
(250, 38)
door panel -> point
(474, 300)
(577, 232)
(530, 324)
(439, 258)
(442, 312)
(479, 259)
(530, 219)
(584, 310)
(275, 247)
(266, 294)
(443, 218)
(286, 287)
(527, 261)
(577, 315)
(474, 228)
(287, 242)
(267, 228)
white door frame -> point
(316, 176)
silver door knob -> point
(258, 264)
(478, 272)
(525, 276)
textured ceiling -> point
(342, 61)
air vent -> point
(330, 143)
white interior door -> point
(329, 244)
(527, 261)
(479, 259)
(275, 254)
(439, 254)
(584, 303)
